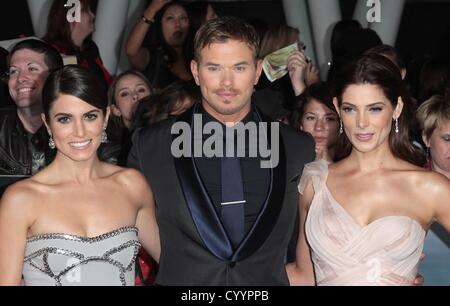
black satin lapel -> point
(266, 220)
(199, 204)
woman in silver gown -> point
(79, 221)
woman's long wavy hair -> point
(377, 70)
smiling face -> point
(321, 122)
(227, 73)
(76, 127)
(439, 144)
(367, 116)
(175, 25)
(27, 74)
(130, 89)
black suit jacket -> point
(195, 249)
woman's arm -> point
(440, 189)
(138, 55)
(146, 217)
(301, 272)
(16, 217)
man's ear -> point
(258, 70)
(194, 70)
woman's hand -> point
(311, 74)
(154, 7)
(297, 65)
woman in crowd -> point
(165, 58)
(73, 39)
(302, 72)
(434, 119)
(366, 216)
(125, 93)
(79, 221)
(314, 113)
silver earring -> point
(341, 127)
(51, 143)
(104, 137)
(397, 130)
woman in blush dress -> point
(79, 221)
(363, 219)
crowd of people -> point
(94, 188)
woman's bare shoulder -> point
(127, 177)
(23, 196)
(431, 181)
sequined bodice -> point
(68, 260)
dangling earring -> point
(51, 143)
(104, 137)
(428, 152)
(397, 130)
(341, 127)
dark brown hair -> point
(389, 52)
(222, 29)
(76, 81)
(321, 92)
(380, 71)
(52, 58)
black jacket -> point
(21, 153)
(195, 249)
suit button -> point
(232, 264)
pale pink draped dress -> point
(384, 252)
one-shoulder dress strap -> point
(317, 171)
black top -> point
(255, 179)
(22, 153)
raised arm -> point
(301, 271)
(138, 55)
(16, 217)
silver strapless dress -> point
(68, 260)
